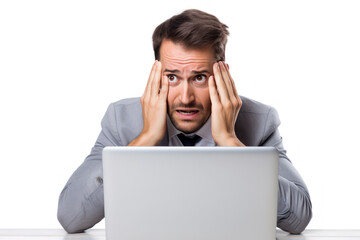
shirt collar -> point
(204, 132)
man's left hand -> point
(225, 106)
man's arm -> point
(225, 106)
(294, 205)
(154, 110)
(81, 202)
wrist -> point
(145, 139)
(231, 142)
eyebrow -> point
(194, 72)
(172, 71)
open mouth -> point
(187, 112)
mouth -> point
(187, 113)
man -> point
(190, 99)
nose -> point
(187, 94)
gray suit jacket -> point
(81, 202)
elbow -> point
(300, 226)
(297, 228)
(67, 215)
(78, 216)
(305, 220)
(68, 224)
(305, 215)
(71, 230)
(296, 223)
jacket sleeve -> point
(81, 202)
(294, 206)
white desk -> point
(95, 234)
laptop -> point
(190, 193)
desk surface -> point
(99, 234)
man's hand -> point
(154, 109)
(225, 106)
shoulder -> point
(127, 102)
(255, 121)
(254, 107)
(131, 106)
(124, 111)
(124, 118)
(259, 110)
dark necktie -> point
(188, 141)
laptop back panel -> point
(162, 193)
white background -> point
(63, 62)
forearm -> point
(81, 203)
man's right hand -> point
(154, 109)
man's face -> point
(187, 71)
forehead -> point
(174, 55)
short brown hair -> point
(194, 29)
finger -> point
(151, 76)
(227, 79)
(237, 99)
(164, 89)
(232, 80)
(233, 96)
(220, 85)
(214, 97)
(156, 82)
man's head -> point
(188, 45)
(193, 29)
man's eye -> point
(200, 78)
(172, 78)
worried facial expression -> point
(187, 71)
